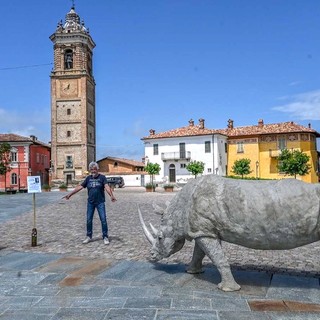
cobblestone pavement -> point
(61, 278)
(61, 229)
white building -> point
(174, 149)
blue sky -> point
(159, 63)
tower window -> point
(68, 112)
(68, 59)
(68, 133)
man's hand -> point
(67, 197)
(113, 199)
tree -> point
(241, 167)
(293, 162)
(195, 167)
(4, 157)
(152, 169)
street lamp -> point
(257, 169)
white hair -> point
(93, 164)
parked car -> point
(116, 182)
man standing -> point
(96, 184)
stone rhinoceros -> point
(267, 215)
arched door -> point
(172, 173)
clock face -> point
(69, 87)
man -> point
(96, 184)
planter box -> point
(168, 189)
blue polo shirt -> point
(95, 186)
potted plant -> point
(63, 187)
(150, 187)
(152, 169)
(46, 188)
(168, 187)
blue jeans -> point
(102, 215)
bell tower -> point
(73, 136)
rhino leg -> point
(195, 265)
(212, 248)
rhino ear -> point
(158, 209)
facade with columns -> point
(73, 114)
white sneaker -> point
(86, 240)
(106, 240)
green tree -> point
(4, 157)
(293, 163)
(152, 169)
(195, 167)
(241, 167)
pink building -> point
(28, 156)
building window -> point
(207, 147)
(225, 148)
(14, 178)
(14, 156)
(183, 165)
(68, 133)
(68, 112)
(69, 162)
(282, 144)
(182, 150)
(115, 164)
(38, 158)
(240, 148)
(42, 159)
(155, 149)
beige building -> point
(73, 136)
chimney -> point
(34, 138)
(230, 124)
(201, 123)
(191, 123)
(152, 132)
(260, 123)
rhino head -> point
(164, 241)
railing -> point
(176, 155)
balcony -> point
(176, 155)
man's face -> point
(94, 171)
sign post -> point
(34, 186)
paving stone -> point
(133, 291)
(79, 314)
(132, 314)
(162, 303)
(186, 315)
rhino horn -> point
(145, 229)
(154, 230)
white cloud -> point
(305, 106)
(26, 123)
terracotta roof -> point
(127, 161)
(187, 131)
(274, 128)
(261, 128)
(11, 137)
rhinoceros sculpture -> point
(267, 215)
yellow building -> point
(262, 143)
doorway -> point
(172, 173)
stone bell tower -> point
(73, 124)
